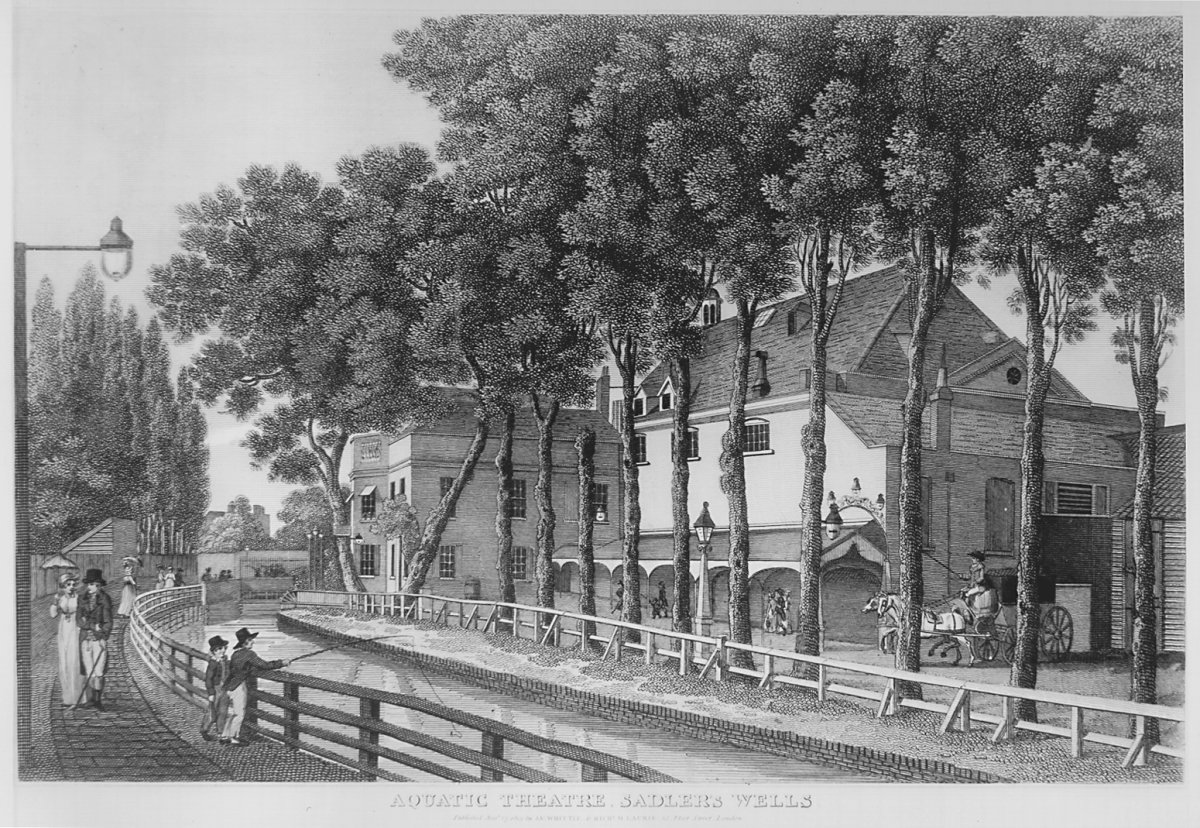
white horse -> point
(946, 629)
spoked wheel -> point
(985, 647)
(1007, 635)
(1057, 633)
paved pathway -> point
(146, 732)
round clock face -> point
(1014, 376)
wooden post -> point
(493, 746)
(583, 642)
(683, 656)
(822, 680)
(1076, 732)
(251, 701)
(291, 692)
(722, 655)
(650, 645)
(1005, 728)
(516, 623)
(591, 773)
(537, 627)
(369, 709)
(768, 671)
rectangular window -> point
(927, 510)
(403, 480)
(366, 559)
(517, 503)
(367, 509)
(600, 501)
(999, 510)
(392, 570)
(693, 444)
(665, 401)
(639, 448)
(447, 483)
(791, 323)
(446, 555)
(639, 406)
(392, 490)
(757, 436)
(520, 563)
(1075, 499)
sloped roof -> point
(874, 420)
(86, 536)
(1060, 386)
(868, 301)
(1170, 477)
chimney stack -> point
(762, 386)
(942, 399)
(603, 390)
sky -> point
(131, 109)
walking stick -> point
(95, 661)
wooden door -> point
(999, 515)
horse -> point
(946, 629)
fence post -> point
(251, 701)
(493, 746)
(1076, 732)
(369, 709)
(291, 692)
(650, 645)
(516, 623)
(722, 656)
(683, 656)
(822, 679)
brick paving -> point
(145, 733)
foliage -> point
(302, 511)
(110, 435)
(237, 529)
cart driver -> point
(980, 596)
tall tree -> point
(960, 88)
(284, 267)
(829, 201)
(236, 530)
(304, 511)
(1139, 238)
(585, 451)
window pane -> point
(693, 443)
(368, 506)
(757, 436)
(520, 563)
(446, 561)
(600, 499)
(665, 402)
(639, 448)
(367, 559)
(517, 503)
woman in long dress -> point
(70, 671)
(128, 591)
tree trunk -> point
(1033, 465)
(733, 485)
(681, 383)
(912, 585)
(631, 609)
(812, 539)
(1145, 623)
(585, 449)
(545, 502)
(504, 573)
(435, 525)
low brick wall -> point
(694, 725)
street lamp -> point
(833, 521)
(116, 251)
(704, 528)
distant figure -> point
(129, 589)
(207, 576)
(787, 611)
(161, 581)
(70, 677)
(658, 606)
(168, 577)
(618, 599)
(243, 664)
(95, 618)
(215, 677)
(179, 577)
(769, 612)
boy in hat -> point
(243, 664)
(215, 676)
(95, 618)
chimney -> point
(232, 506)
(258, 510)
(762, 385)
(603, 390)
(942, 399)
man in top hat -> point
(980, 596)
(95, 618)
(243, 664)
(215, 676)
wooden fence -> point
(182, 668)
(711, 658)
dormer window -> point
(666, 397)
(639, 406)
(763, 317)
(710, 309)
(665, 401)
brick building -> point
(420, 462)
(971, 456)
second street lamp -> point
(704, 528)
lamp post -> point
(704, 528)
(116, 259)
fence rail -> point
(181, 667)
(711, 656)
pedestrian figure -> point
(658, 606)
(161, 581)
(168, 577)
(243, 664)
(70, 676)
(786, 605)
(129, 588)
(179, 577)
(769, 612)
(207, 576)
(215, 677)
(95, 617)
(618, 599)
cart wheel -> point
(1057, 633)
(985, 646)
(1008, 642)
